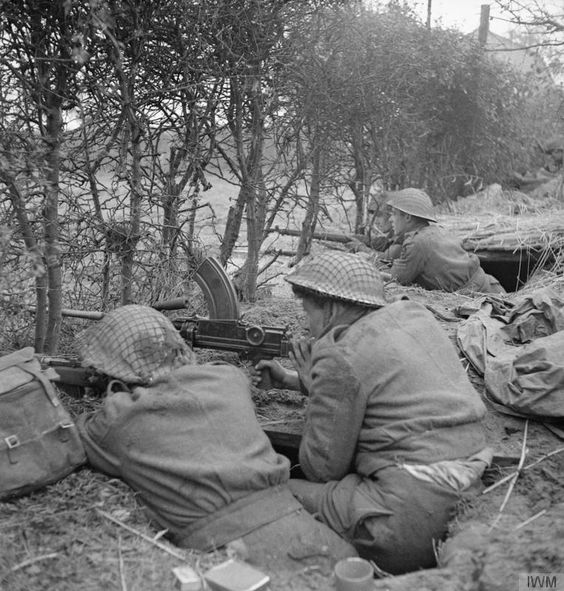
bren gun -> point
(223, 330)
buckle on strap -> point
(64, 433)
(12, 442)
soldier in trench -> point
(428, 256)
(393, 438)
(381, 244)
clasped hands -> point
(282, 378)
(355, 245)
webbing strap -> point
(24, 359)
(40, 376)
(16, 358)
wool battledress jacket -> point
(434, 260)
(190, 445)
(386, 391)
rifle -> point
(327, 236)
(379, 242)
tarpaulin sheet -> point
(519, 349)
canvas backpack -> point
(39, 442)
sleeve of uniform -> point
(95, 431)
(408, 266)
(334, 417)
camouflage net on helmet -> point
(135, 344)
(342, 276)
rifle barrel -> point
(173, 304)
(328, 236)
(87, 314)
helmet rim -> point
(341, 276)
(413, 202)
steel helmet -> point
(412, 201)
(341, 276)
(135, 344)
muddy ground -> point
(88, 532)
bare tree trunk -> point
(133, 229)
(52, 76)
(51, 221)
(360, 185)
(106, 267)
(172, 199)
(233, 225)
(312, 210)
(256, 217)
(170, 222)
(253, 243)
(256, 202)
(132, 142)
(41, 285)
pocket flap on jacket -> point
(13, 378)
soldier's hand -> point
(272, 372)
(386, 276)
(301, 358)
(354, 245)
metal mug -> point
(354, 574)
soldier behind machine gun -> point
(251, 342)
(393, 437)
(185, 437)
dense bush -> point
(116, 118)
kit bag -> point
(39, 442)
